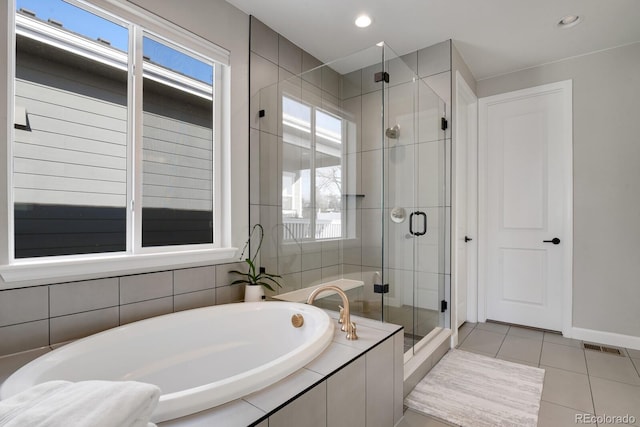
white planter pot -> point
(253, 293)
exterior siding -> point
(69, 154)
(70, 160)
(74, 149)
(178, 152)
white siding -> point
(178, 154)
(70, 155)
(74, 150)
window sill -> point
(25, 273)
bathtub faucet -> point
(347, 325)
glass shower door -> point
(349, 184)
(414, 220)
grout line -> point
(49, 314)
(635, 364)
(502, 342)
(173, 291)
(593, 402)
(568, 407)
(570, 371)
(467, 336)
(119, 304)
(83, 311)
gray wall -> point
(458, 64)
(606, 159)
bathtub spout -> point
(347, 325)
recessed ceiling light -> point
(363, 21)
(569, 21)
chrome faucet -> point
(347, 325)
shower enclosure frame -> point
(391, 121)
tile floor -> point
(576, 381)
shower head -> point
(393, 133)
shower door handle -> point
(411, 224)
(424, 224)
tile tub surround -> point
(42, 316)
(577, 381)
(357, 381)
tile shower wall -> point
(274, 59)
(46, 315)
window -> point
(312, 172)
(177, 159)
(107, 159)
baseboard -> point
(609, 338)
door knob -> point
(555, 241)
(467, 239)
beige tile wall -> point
(274, 58)
(46, 315)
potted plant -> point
(255, 280)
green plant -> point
(253, 277)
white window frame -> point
(136, 258)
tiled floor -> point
(576, 381)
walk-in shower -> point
(349, 179)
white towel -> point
(81, 404)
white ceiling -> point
(493, 36)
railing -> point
(300, 229)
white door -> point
(526, 182)
(464, 207)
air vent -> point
(592, 347)
(611, 350)
(601, 348)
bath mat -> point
(472, 390)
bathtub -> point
(199, 358)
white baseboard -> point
(609, 338)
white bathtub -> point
(199, 358)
